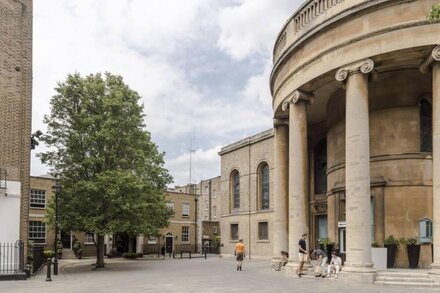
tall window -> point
(185, 234)
(185, 209)
(236, 189)
(214, 211)
(263, 233)
(425, 126)
(234, 231)
(38, 199)
(320, 166)
(37, 232)
(170, 206)
(264, 186)
(152, 240)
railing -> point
(12, 258)
(37, 258)
(313, 10)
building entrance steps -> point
(405, 278)
(68, 254)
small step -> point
(68, 254)
(413, 284)
(425, 279)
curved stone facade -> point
(364, 133)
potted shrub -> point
(413, 250)
(77, 248)
(129, 255)
(391, 245)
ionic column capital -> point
(296, 97)
(363, 66)
(279, 121)
(425, 67)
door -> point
(169, 244)
(66, 239)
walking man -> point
(239, 253)
(302, 254)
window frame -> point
(36, 240)
(260, 231)
(32, 193)
(184, 205)
(233, 237)
(87, 240)
(235, 190)
(264, 191)
(185, 235)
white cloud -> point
(251, 27)
(153, 45)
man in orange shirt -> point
(239, 253)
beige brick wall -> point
(16, 96)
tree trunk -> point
(100, 252)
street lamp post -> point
(56, 189)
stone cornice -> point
(363, 66)
(425, 67)
(296, 97)
(279, 121)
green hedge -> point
(130, 255)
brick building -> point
(15, 117)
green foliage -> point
(390, 240)
(30, 252)
(112, 174)
(49, 253)
(130, 255)
(434, 13)
(408, 241)
(139, 254)
(326, 241)
(375, 244)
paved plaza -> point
(183, 275)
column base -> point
(357, 274)
(290, 269)
(434, 272)
(275, 261)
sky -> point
(202, 67)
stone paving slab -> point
(214, 275)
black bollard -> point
(205, 253)
(48, 265)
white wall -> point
(10, 213)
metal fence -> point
(37, 258)
(12, 258)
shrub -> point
(434, 13)
(390, 240)
(139, 254)
(375, 244)
(49, 253)
(408, 241)
(130, 255)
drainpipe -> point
(249, 199)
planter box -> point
(379, 258)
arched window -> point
(264, 186)
(425, 126)
(320, 162)
(235, 189)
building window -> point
(37, 232)
(235, 189)
(38, 199)
(170, 206)
(185, 209)
(234, 231)
(206, 205)
(185, 234)
(320, 167)
(214, 211)
(89, 238)
(425, 230)
(214, 230)
(321, 222)
(425, 126)
(263, 231)
(152, 240)
(264, 186)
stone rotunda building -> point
(356, 101)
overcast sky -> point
(201, 66)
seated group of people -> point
(321, 257)
(283, 260)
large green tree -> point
(112, 174)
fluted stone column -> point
(357, 166)
(281, 187)
(298, 170)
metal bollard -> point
(190, 255)
(48, 265)
(205, 253)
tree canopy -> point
(112, 174)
